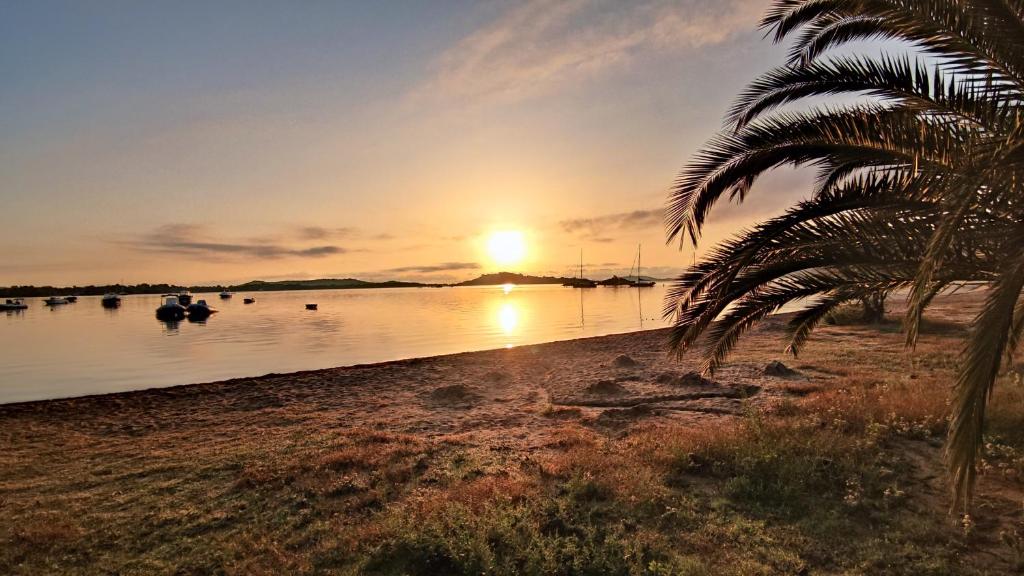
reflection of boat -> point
(310, 306)
(581, 282)
(13, 304)
(199, 311)
(225, 295)
(185, 298)
(110, 300)
(170, 310)
(249, 301)
(55, 301)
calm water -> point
(82, 348)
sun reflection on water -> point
(508, 317)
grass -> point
(839, 477)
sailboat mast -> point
(638, 262)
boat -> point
(110, 300)
(199, 311)
(55, 301)
(225, 295)
(185, 298)
(13, 304)
(640, 282)
(310, 306)
(616, 281)
(170, 309)
(248, 300)
(71, 299)
(581, 282)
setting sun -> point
(506, 247)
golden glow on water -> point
(508, 318)
(506, 247)
(84, 348)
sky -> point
(220, 142)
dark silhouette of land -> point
(253, 286)
(494, 279)
(512, 278)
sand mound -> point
(605, 387)
(454, 394)
(776, 368)
(625, 361)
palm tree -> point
(920, 184)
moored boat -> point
(185, 298)
(55, 301)
(640, 282)
(170, 309)
(71, 299)
(616, 281)
(581, 282)
(226, 294)
(199, 311)
(13, 304)
(310, 306)
(249, 301)
(110, 300)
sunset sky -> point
(195, 142)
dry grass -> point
(836, 471)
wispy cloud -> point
(432, 268)
(195, 239)
(321, 233)
(599, 228)
(538, 44)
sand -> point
(505, 395)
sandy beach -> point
(267, 473)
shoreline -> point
(296, 373)
(337, 470)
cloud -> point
(442, 267)
(321, 233)
(597, 228)
(537, 44)
(194, 239)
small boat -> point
(225, 295)
(170, 309)
(310, 306)
(71, 299)
(185, 298)
(55, 301)
(581, 282)
(110, 300)
(13, 304)
(248, 300)
(616, 281)
(199, 311)
(640, 282)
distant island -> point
(499, 278)
(493, 279)
(253, 286)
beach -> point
(365, 469)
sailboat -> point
(640, 282)
(581, 282)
